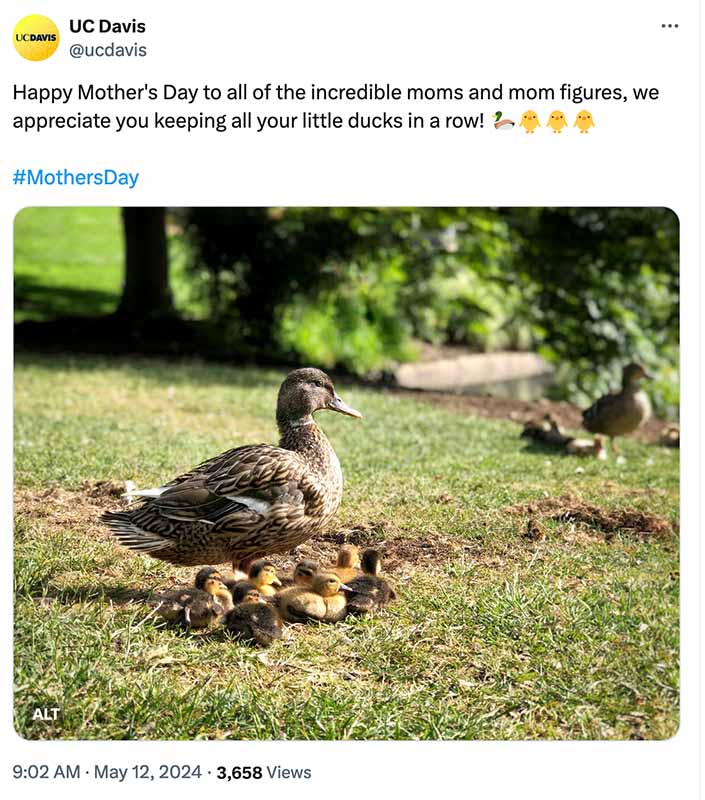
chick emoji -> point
(530, 121)
(584, 121)
(557, 121)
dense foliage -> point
(358, 287)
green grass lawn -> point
(492, 636)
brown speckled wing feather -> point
(279, 479)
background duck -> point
(249, 501)
(195, 608)
(622, 412)
(369, 592)
(322, 601)
(252, 620)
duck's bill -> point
(346, 588)
(339, 405)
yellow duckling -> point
(322, 601)
(263, 576)
(253, 620)
(302, 575)
(195, 608)
(348, 564)
(530, 121)
(557, 121)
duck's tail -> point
(132, 536)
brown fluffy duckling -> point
(347, 565)
(195, 608)
(671, 436)
(302, 575)
(622, 412)
(253, 620)
(546, 430)
(207, 572)
(263, 576)
(587, 447)
(369, 592)
(322, 601)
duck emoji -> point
(557, 121)
(502, 124)
(584, 121)
(530, 121)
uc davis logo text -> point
(35, 37)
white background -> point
(638, 154)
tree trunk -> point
(146, 292)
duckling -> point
(249, 501)
(321, 601)
(348, 563)
(263, 576)
(369, 592)
(622, 412)
(302, 575)
(242, 589)
(253, 620)
(207, 572)
(195, 608)
(546, 430)
(671, 436)
(587, 447)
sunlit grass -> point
(571, 637)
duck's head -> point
(633, 373)
(241, 589)
(327, 584)
(371, 562)
(263, 573)
(216, 588)
(304, 572)
(305, 391)
(348, 556)
(251, 595)
(203, 574)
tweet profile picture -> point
(36, 37)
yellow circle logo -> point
(35, 37)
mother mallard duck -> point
(249, 501)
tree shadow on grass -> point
(41, 302)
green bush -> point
(355, 287)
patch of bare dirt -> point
(75, 508)
(566, 415)
(606, 521)
(400, 554)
